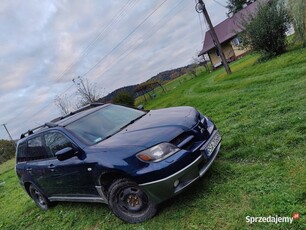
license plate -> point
(210, 147)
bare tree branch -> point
(87, 91)
(63, 104)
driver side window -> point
(56, 141)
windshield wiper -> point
(123, 127)
(131, 122)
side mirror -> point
(65, 153)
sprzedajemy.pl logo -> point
(272, 219)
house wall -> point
(239, 51)
(228, 53)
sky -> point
(44, 45)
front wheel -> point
(40, 200)
(129, 202)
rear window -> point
(22, 152)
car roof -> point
(63, 121)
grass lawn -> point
(260, 171)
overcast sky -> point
(45, 44)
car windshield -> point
(103, 123)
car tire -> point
(40, 200)
(128, 202)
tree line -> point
(7, 150)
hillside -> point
(162, 77)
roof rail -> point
(51, 124)
(86, 107)
(31, 131)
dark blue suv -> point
(129, 159)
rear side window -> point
(42, 147)
(33, 149)
(22, 152)
(36, 150)
(56, 141)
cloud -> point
(45, 44)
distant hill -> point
(162, 78)
(110, 96)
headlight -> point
(157, 152)
(210, 125)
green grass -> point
(260, 171)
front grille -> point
(182, 140)
(192, 139)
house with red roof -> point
(227, 33)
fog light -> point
(176, 183)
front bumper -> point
(167, 187)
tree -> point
(7, 150)
(201, 60)
(265, 31)
(192, 70)
(87, 91)
(63, 104)
(147, 87)
(298, 14)
(175, 75)
(124, 98)
(234, 6)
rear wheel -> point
(129, 202)
(40, 200)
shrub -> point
(124, 98)
(298, 14)
(265, 32)
(7, 150)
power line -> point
(120, 43)
(116, 19)
(140, 24)
(111, 51)
(3, 134)
(146, 36)
(202, 31)
(220, 3)
(94, 66)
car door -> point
(70, 177)
(37, 162)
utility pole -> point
(9, 134)
(200, 8)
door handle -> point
(51, 167)
(29, 169)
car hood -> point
(155, 127)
